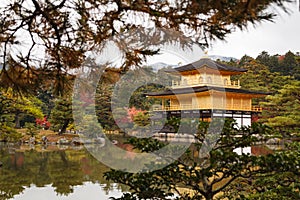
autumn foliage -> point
(44, 123)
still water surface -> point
(53, 173)
(62, 173)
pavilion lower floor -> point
(242, 118)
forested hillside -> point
(280, 75)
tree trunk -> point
(64, 127)
(208, 189)
(209, 196)
(17, 120)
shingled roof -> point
(208, 63)
(204, 89)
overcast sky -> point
(278, 37)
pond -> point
(55, 172)
(63, 172)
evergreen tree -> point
(46, 97)
(245, 60)
(15, 110)
(283, 109)
(208, 176)
(270, 61)
(16, 106)
(259, 77)
(263, 58)
(61, 115)
(288, 64)
(103, 107)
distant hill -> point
(159, 65)
(222, 58)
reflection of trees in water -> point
(61, 169)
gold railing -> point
(229, 84)
(257, 109)
(191, 107)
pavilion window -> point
(185, 82)
(225, 81)
(200, 79)
(209, 80)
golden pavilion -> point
(205, 90)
